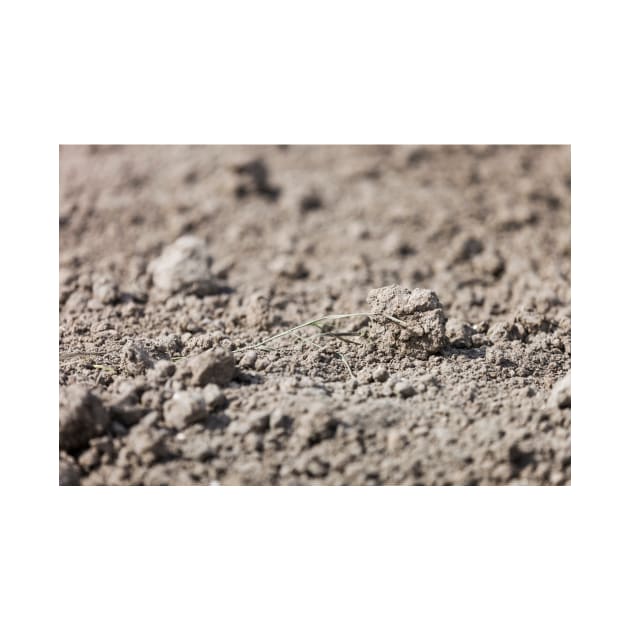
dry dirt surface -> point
(175, 261)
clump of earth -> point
(418, 318)
(176, 262)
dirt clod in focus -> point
(423, 332)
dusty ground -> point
(156, 386)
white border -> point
(342, 72)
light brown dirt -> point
(174, 261)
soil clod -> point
(82, 416)
(216, 365)
(423, 322)
(185, 408)
(184, 267)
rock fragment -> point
(184, 267)
(82, 416)
(215, 365)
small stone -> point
(104, 290)
(404, 389)
(380, 374)
(212, 366)
(184, 267)
(81, 417)
(249, 359)
(185, 408)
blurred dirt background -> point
(175, 259)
